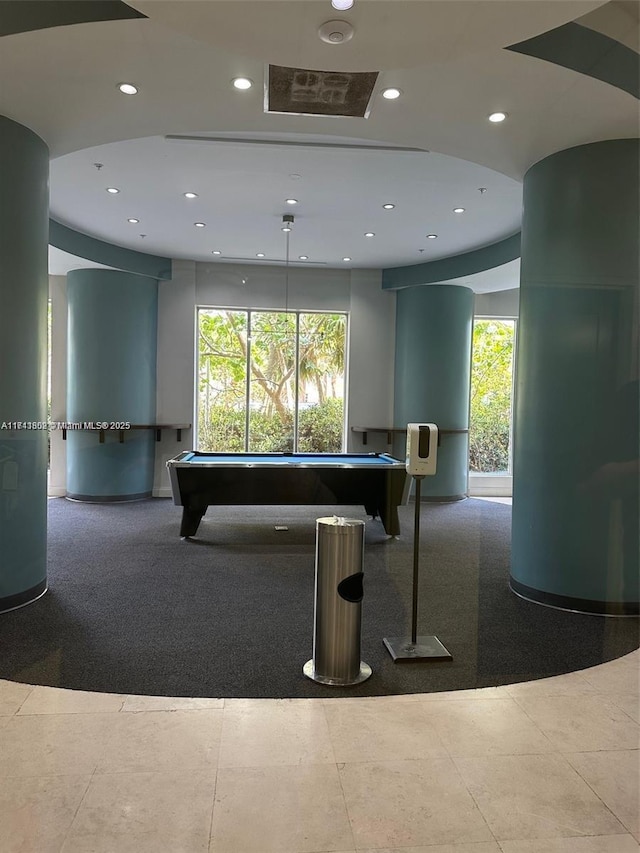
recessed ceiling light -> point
(391, 94)
(346, 259)
(458, 209)
(200, 224)
(291, 200)
(242, 83)
(432, 236)
(369, 234)
(259, 254)
(342, 5)
(190, 195)
(496, 118)
(133, 221)
(113, 190)
(303, 257)
(216, 252)
(128, 88)
(388, 206)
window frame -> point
(502, 318)
(249, 312)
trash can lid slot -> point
(339, 521)
(351, 588)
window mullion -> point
(296, 384)
(247, 395)
(513, 396)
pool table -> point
(376, 481)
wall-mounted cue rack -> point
(391, 431)
(102, 427)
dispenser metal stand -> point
(416, 648)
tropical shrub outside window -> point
(270, 381)
(491, 396)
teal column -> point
(575, 539)
(111, 379)
(24, 286)
(434, 325)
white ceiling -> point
(447, 57)
(242, 189)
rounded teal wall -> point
(434, 329)
(111, 377)
(24, 212)
(575, 540)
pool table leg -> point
(191, 518)
(390, 520)
(387, 512)
(372, 510)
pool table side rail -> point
(379, 496)
(295, 460)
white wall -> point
(501, 303)
(175, 367)
(271, 287)
(370, 349)
(370, 359)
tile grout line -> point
(224, 709)
(473, 799)
(340, 780)
(452, 759)
(601, 697)
(591, 788)
(213, 805)
(75, 814)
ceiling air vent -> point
(320, 93)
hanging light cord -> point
(286, 273)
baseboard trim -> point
(444, 499)
(162, 493)
(101, 499)
(490, 485)
(21, 599)
(575, 605)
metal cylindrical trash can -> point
(338, 603)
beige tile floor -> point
(549, 766)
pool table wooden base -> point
(378, 484)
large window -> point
(270, 381)
(491, 396)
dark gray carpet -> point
(132, 608)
